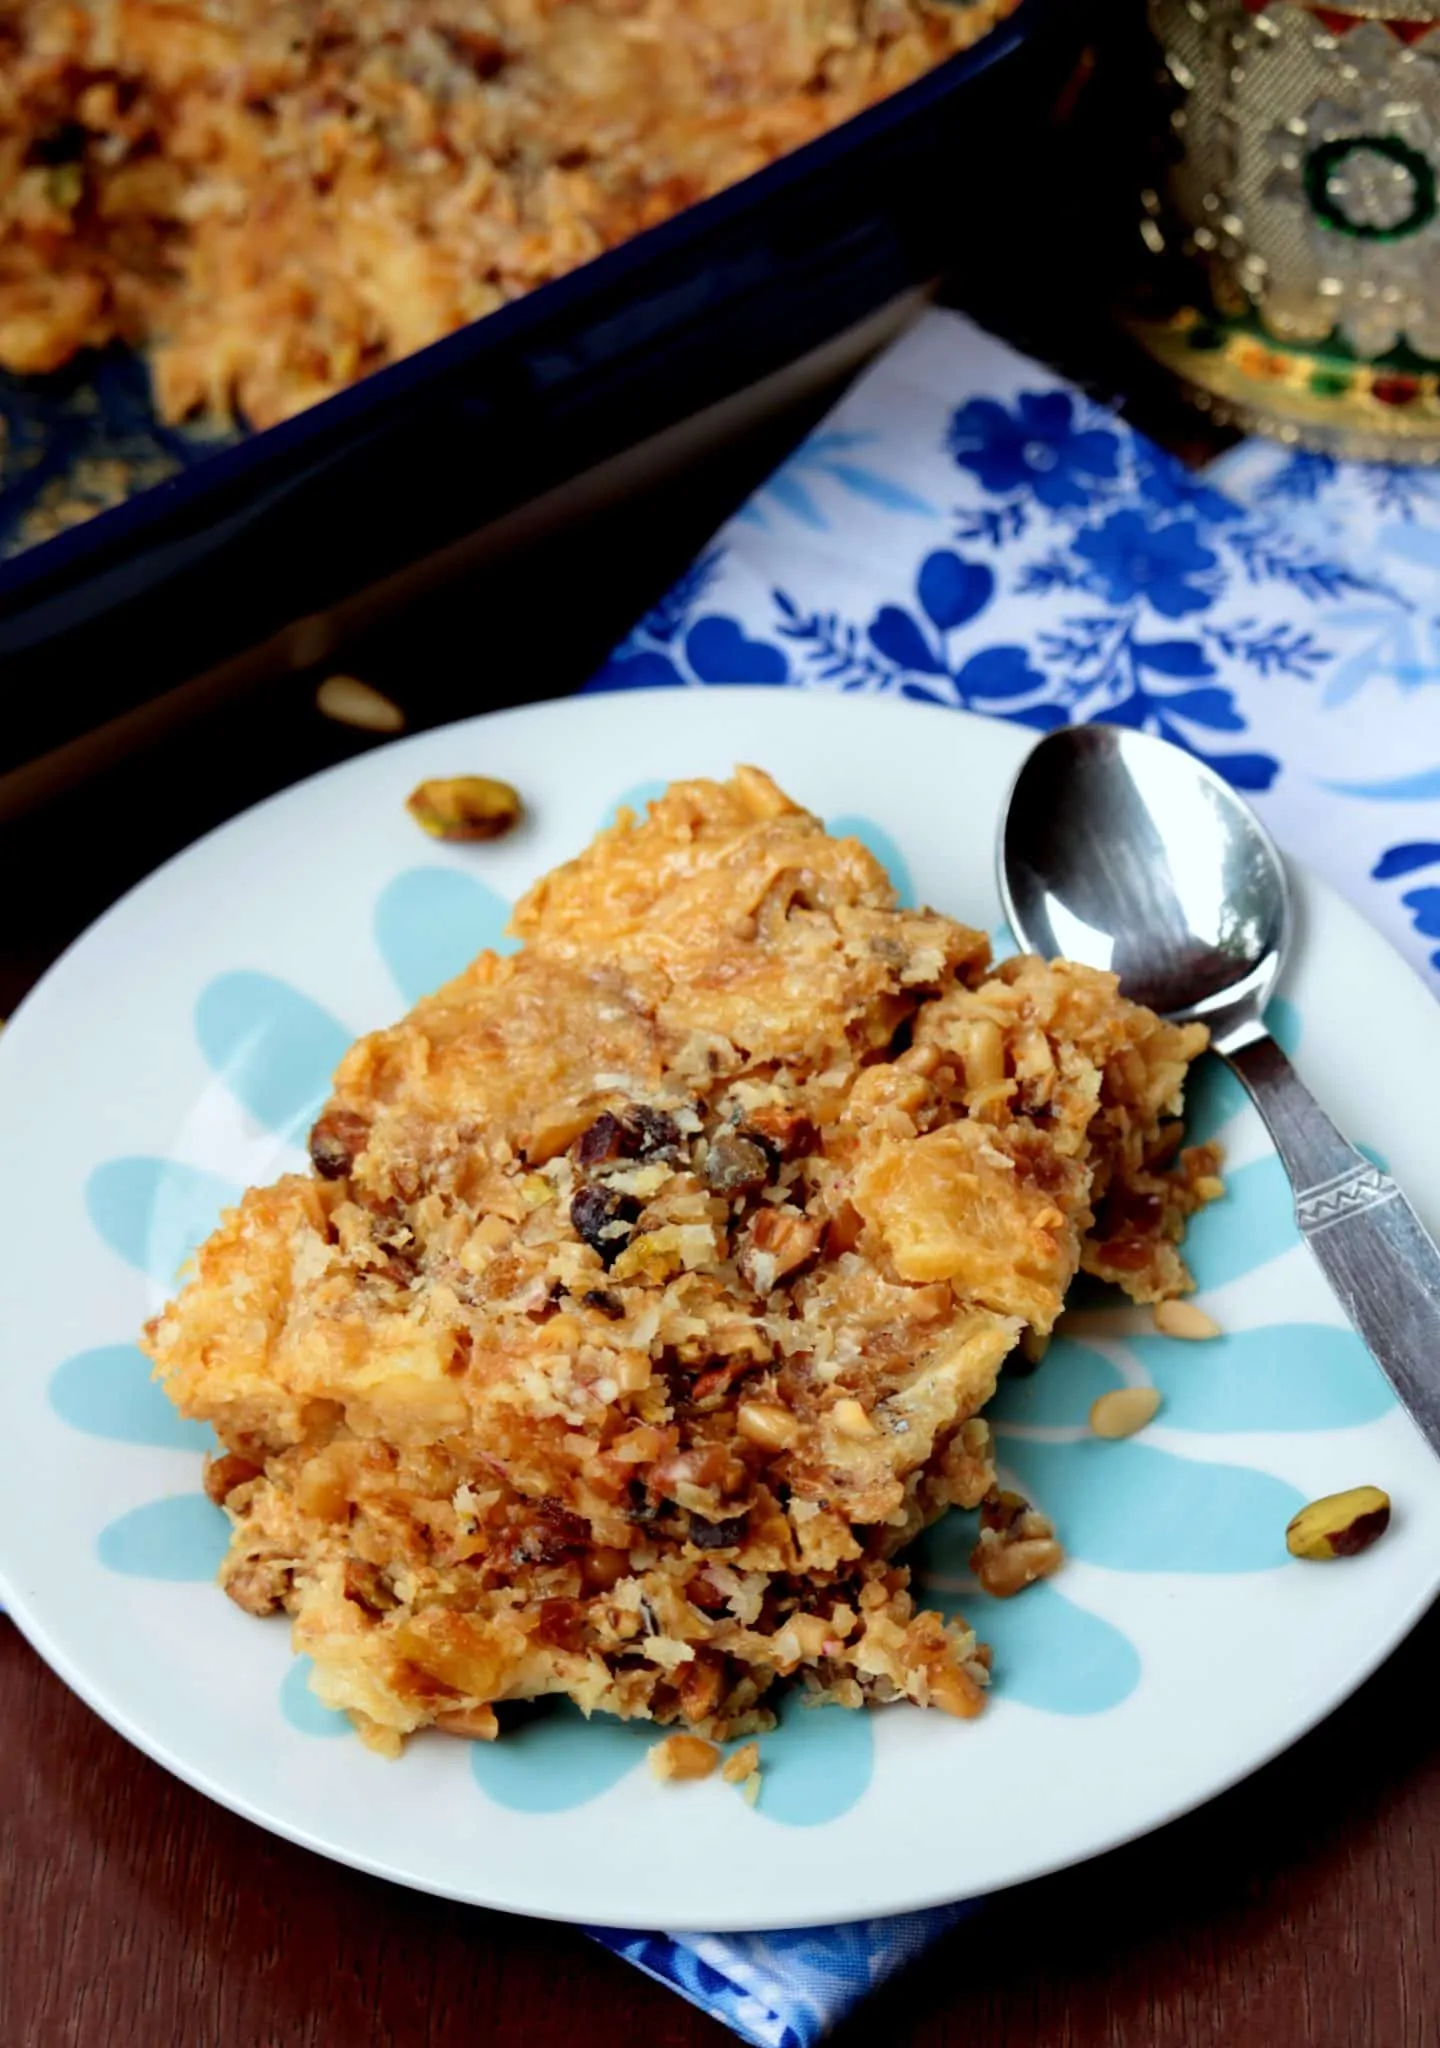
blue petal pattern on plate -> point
(1131, 1506)
(306, 1714)
(555, 1759)
(181, 1537)
(108, 1392)
(1252, 1226)
(816, 1763)
(431, 922)
(634, 799)
(1134, 1508)
(1058, 1397)
(1055, 1656)
(274, 1048)
(1292, 1376)
(1049, 1653)
(155, 1212)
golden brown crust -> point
(280, 198)
(652, 1280)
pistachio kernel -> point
(464, 807)
(1340, 1524)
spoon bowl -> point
(1125, 853)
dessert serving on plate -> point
(650, 1282)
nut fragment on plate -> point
(1184, 1319)
(737, 1768)
(464, 807)
(1340, 1524)
(1017, 1545)
(350, 702)
(683, 1756)
(1123, 1411)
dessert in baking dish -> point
(650, 1283)
(275, 199)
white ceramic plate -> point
(178, 1050)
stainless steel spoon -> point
(1126, 853)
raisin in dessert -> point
(650, 1283)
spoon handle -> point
(1372, 1247)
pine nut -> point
(1183, 1319)
(350, 702)
(1123, 1411)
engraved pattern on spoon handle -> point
(1372, 1247)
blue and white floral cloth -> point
(783, 1990)
(966, 530)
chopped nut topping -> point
(478, 1724)
(778, 1243)
(1001, 1510)
(767, 1424)
(1005, 1569)
(736, 1165)
(739, 1765)
(956, 1692)
(683, 1756)
(223, 1475)
(259, 1587)
(852, 1421)
(1017, 1545)
(788, 1133)
(368, 1586)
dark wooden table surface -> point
(1301, 1908)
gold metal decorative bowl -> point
(1303, 187)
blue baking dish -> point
(247, 538)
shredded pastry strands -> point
(650, 1282)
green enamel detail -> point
(1323, 162)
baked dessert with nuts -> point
(649, 1285)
